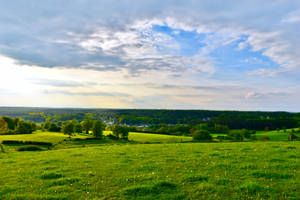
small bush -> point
(292, 137)
(112, 137)
(120, 131)
(264, 138)
(30, 148)
(201, 135)
(236, 135)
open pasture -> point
(256, 170)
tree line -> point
(137, 117)
(88, 126)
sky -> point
(153, 54)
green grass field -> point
(89, 169)
(274, 135)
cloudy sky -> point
(189, 54)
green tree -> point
(24, 127)
(3, 126)
(201, 135)
(86, 125)
(120, 131)
(11, 122)
(34, 126)
(78, 128)
(53, 127)
(46, 125)
(98, 128)
(236, 135)
(69, 128)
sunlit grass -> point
(256, 170)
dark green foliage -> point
(46, 125)
(24, 127)
(68, 128)
(16, 126)
(30, 148)
(87, 125)
(178, 129)
(120, 131)
(232, 119)
(292, 136)
(53, 127)
(201, 135)
(11, 122)
(3, 126)
(264, 138)
(212, 128)
(112, 137)
(26, 142)
(98, 128)
(78, 128)
(236, 135)
(247, 133)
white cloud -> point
(65, 40)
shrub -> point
(86, 125)
(68, 128)
(11, 122)
(199, 135)
(53, 127)
(236, 135)
(120, 131)
(78, 128)
(264, 138)
(247, 133)
(3, 126)
(292, 137)
(98, 128)
(24, 127)
(30, 148)
(111, 136)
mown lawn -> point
(246, 170)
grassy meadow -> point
(150, 166)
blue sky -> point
(151, 54)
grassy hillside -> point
(268, 170)
(84, 168)
(57, 137)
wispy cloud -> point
(65, 92)
(204, 54)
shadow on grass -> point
(158, 190)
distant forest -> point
(253, 120)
